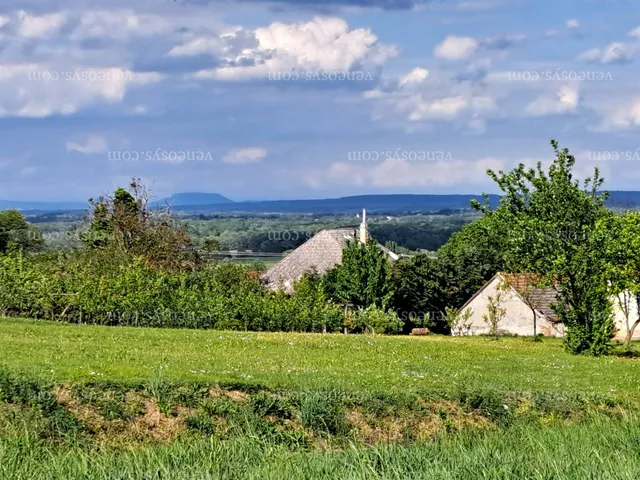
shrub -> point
(376, 320)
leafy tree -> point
(211, 245)
(457, 320)
(622, 238)
(550, 219)
(495, 310)
(417, 292)
(363, 277)
(100, 228)
(124, 224)
(16, 233)
(391, 245)
(469, 259)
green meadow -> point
(80, 402)
(63, 352)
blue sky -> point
(311, 98)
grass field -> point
(63, 352)
(80, 402)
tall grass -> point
(597, 450)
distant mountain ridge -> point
(193, 198)
(373, 203)
(43, 206)
(394, 203)
(195, 202)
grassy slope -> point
(602, 451)
(552, 446)
(71, 353)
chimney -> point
(363, 227)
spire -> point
(363, 227)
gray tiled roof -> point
(320, 254)
(541, 298)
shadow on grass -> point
(626, 353)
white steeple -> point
(363, 227)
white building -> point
(522, 301)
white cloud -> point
(92, 144)
(456, 48)
(442, 170)
(566, 100)
(449, 108)
(245, 155)
(28, 90)
(120, 23)
(573, 23)
(27, 171)
(322, 44)
(38, 26)
(438, 96)
(623, 116)
(617, 52)
(417, 75)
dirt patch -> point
(89, 416)
(422, 424)
(150, 426)
(235, 395)
(158, 426)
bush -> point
(376, 320)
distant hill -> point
(624, 199)
(43, 206)
(183, 199)
(194, 203)
(373, 204)
(380, 204)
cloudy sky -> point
(311, 98)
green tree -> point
(495, 311)
(125, 225)
(549, 220)
(417, 292)
(622, 239)
(458, 320)
(363, 278)
(211, 245)
(469, 259)
(17, 233)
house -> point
(320, 254)
(521, 299)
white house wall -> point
(518, 318)
(621, 321)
